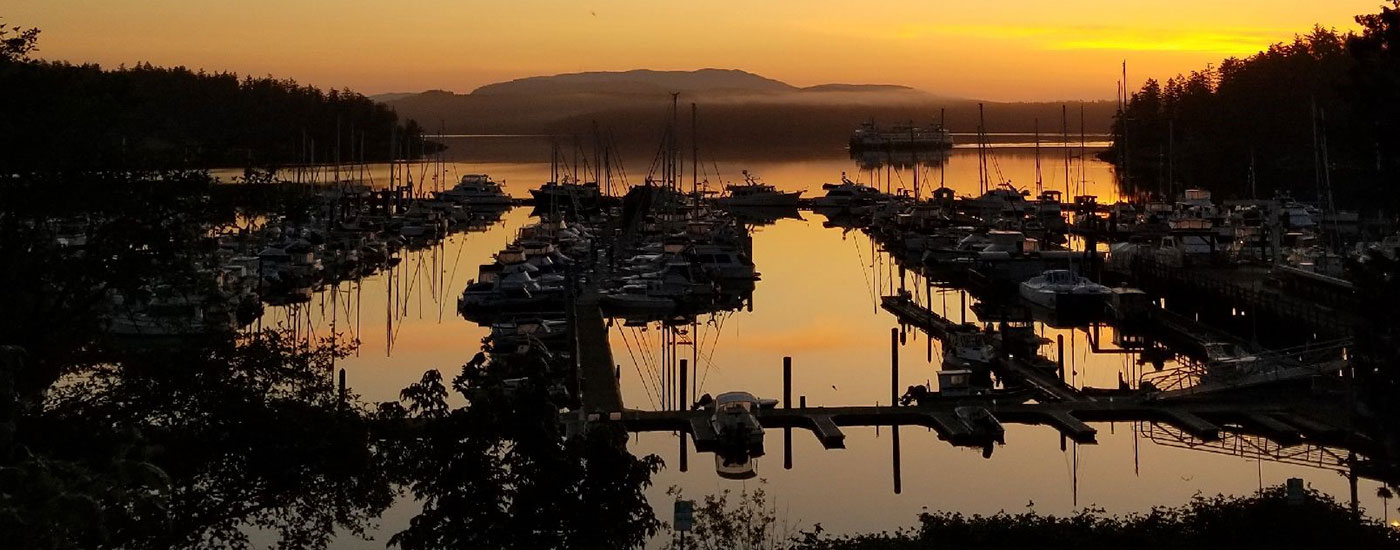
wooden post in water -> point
(685, 448)
(683, 406)
(898, 482)
(1060, 355)
(787, 382)
(787, 404)
(894, 366)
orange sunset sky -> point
(1032, 50)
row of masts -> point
(984, 154)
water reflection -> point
(818, 300)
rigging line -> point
(648, 361)
(463, 245)
(621, 170)
(709, 358)
(640, 377)
(861, 260)
(645, 352)
(660, 152)
(996, 166)
(417, 270)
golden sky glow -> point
(1031, 50)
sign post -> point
(684, 518)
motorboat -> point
(1064, 291)
(1004, 200)
(477, 190)
(756, 194)
(635, 299)
(724, 263)
(985, 428)
(567, 194)
(969, 349)
(846, 194)
(740, 436)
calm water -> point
(818, 302)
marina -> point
(916, 282)
(1033, 391)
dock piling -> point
(894, 366)
(1060, 355)
(787, 382)
(898, 481)
(787, 404)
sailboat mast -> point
(694, 153)
(673, 150)
(1064, 142)
(981, 150)
(1126, 97)
(915, 152)
(1037, 156)
(597, 156)
(942, 114)
(1083, 167)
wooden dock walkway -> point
(1245, 287)
(597, 373)
(1202, 419)
(1026, 371)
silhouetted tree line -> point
(1267, 519)
(1325, 100)
(60, 116)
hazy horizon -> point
(1026, 52)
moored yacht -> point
(477, 190)
(846, 194)
(1064, 291)
(567, 194)
(755, 193)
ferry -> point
(907, 136)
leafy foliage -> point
(1264, 520)
(16, 43)
(749, 522)
(190, 446)
(498, 473)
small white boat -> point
(970, 348)
(846, 194)
(754, 193)
(635, 298)
(1062, 290)
(732, 418)
(477, 190)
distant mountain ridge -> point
(651, 82)
(639, 80)
(739, 109)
